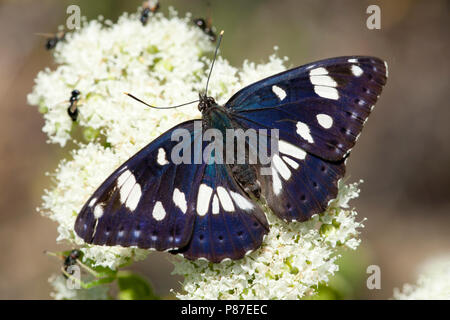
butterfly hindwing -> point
(228, 224)
(295, 183)
(298, 189)
(320, 107)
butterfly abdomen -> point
(246, 178)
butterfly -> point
(212, 210)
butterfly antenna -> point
(214, 60)
(149, 105)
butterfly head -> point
(205, 102)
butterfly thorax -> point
(218, 117)
(205, 103)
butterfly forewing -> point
(320, 107)
(144, 203)
(197, 210)
(319, 110)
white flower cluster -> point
(292, 261)
(433, 282)
(166, 63)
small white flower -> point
(433, 282)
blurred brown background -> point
(403, 154)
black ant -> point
(73, 110)
(71, 259)
(206, 27)
(53, 39)
(147, 8)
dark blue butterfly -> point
(209, 210)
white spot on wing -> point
(127, 181)
(92, 202)
(203, 199)
(180, 200)
(386, 66)
(225, 199)
(326, 81)
(304, 132)
(352, 60)
(320, 77)
(276, 182)
(324, 120)
(241, 201)
(281, 167)
(357, 71)
(215, 204)
(159, 212)
(95, 228)
(123, 177)
(98, 211)
(134, 197)
(318, 72)
(290, 149)
(281, 94)
(326, 92)
(291, 162)
(162, 160)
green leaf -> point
(98, 282)
(90, 134)
(134, 287)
